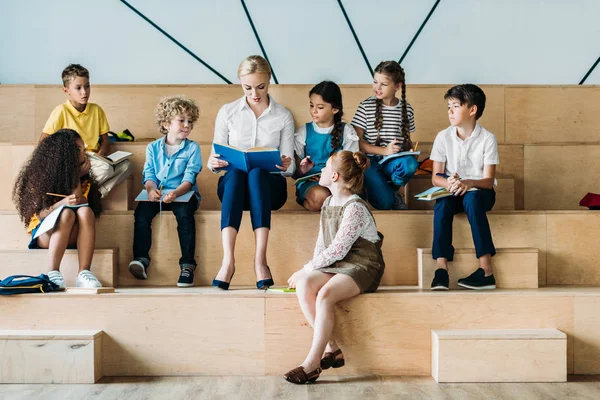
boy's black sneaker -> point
(186, 278)
(440, 280)
(138, 267)
(478, 281)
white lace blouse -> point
(356, 222)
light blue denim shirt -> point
(183, 166)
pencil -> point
(57, 195)
(416, 145)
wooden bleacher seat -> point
(514, 268)
(50, 356)
(499, 355)
(105, 264)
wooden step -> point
(505, 193)
(120, 198)
(384, 333)
(293, 236)
(514, 268)
(35, 262)
(499, 355)
(50, 356)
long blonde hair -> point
(254, 64)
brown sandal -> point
(329, 360)
(299, 376)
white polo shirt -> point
(236, 125)
(465, 157)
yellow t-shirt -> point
(90, 124)
(35, 221)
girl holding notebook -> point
(315, 141)
(255, 120)
(56, 178)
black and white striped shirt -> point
(392, 118)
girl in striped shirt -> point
(384, 124)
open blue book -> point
(435, 193)
(246, 160)
(184, 198)
(50, 220)
(305, 178)
(401, 154)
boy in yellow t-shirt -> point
(89, 120)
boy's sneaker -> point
(441, 281)
(57, 278)
(138, 267)
(87, 280)
(478, 281)
(399, 203)
(186, 278)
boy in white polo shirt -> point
(464, 158)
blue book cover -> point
(396, 155)
(263, 158)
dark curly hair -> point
(395, 73)
(53, 167)
(331, 93)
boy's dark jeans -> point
(475, 204)
(186, 228)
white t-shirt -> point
(465, 157)
(171, 149)
(349, 138)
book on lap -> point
(306, 178)
(396, 155)
(112, 159)
(50, 220)
(435, 193)
(184, 198)
(246, 160)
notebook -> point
(246, 160)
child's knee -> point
(315, 198)
(67, 215)
(86, 215)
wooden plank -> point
(513, 268)
(552, 114)
(121, 198)
(587, 335)
(17, 113)
(499, 358)
(390, 335)
(35, 262)
(505, 193)
(68, 357)
(573, 257)
(499, 334)
(557, 177)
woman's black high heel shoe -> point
(222, 284)
(265, 283)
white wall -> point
(487, 42)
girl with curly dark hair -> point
(60, 166)
(315, 141)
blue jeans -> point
(257, 191)
(186, 228)
(475, 204)
(382, 181)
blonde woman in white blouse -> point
(255, 120)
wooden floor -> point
(360, 387)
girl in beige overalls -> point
(347, 261)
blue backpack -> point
(18, 284)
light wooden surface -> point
(587, 334)
(327, 387)
(292, 239)
(90, 291)
(557, 177)
(497, 357)
(385, 333)
(50, 356)
(513, 268)
(120, 198)
(35, 262)
(572, 242)
(505, 194)
(18, 113)
(552, 114)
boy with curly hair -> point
(89, 120)
(172, 165)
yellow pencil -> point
(57, 195)
(416, 145)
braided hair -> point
(331, 93)
(394, 72)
